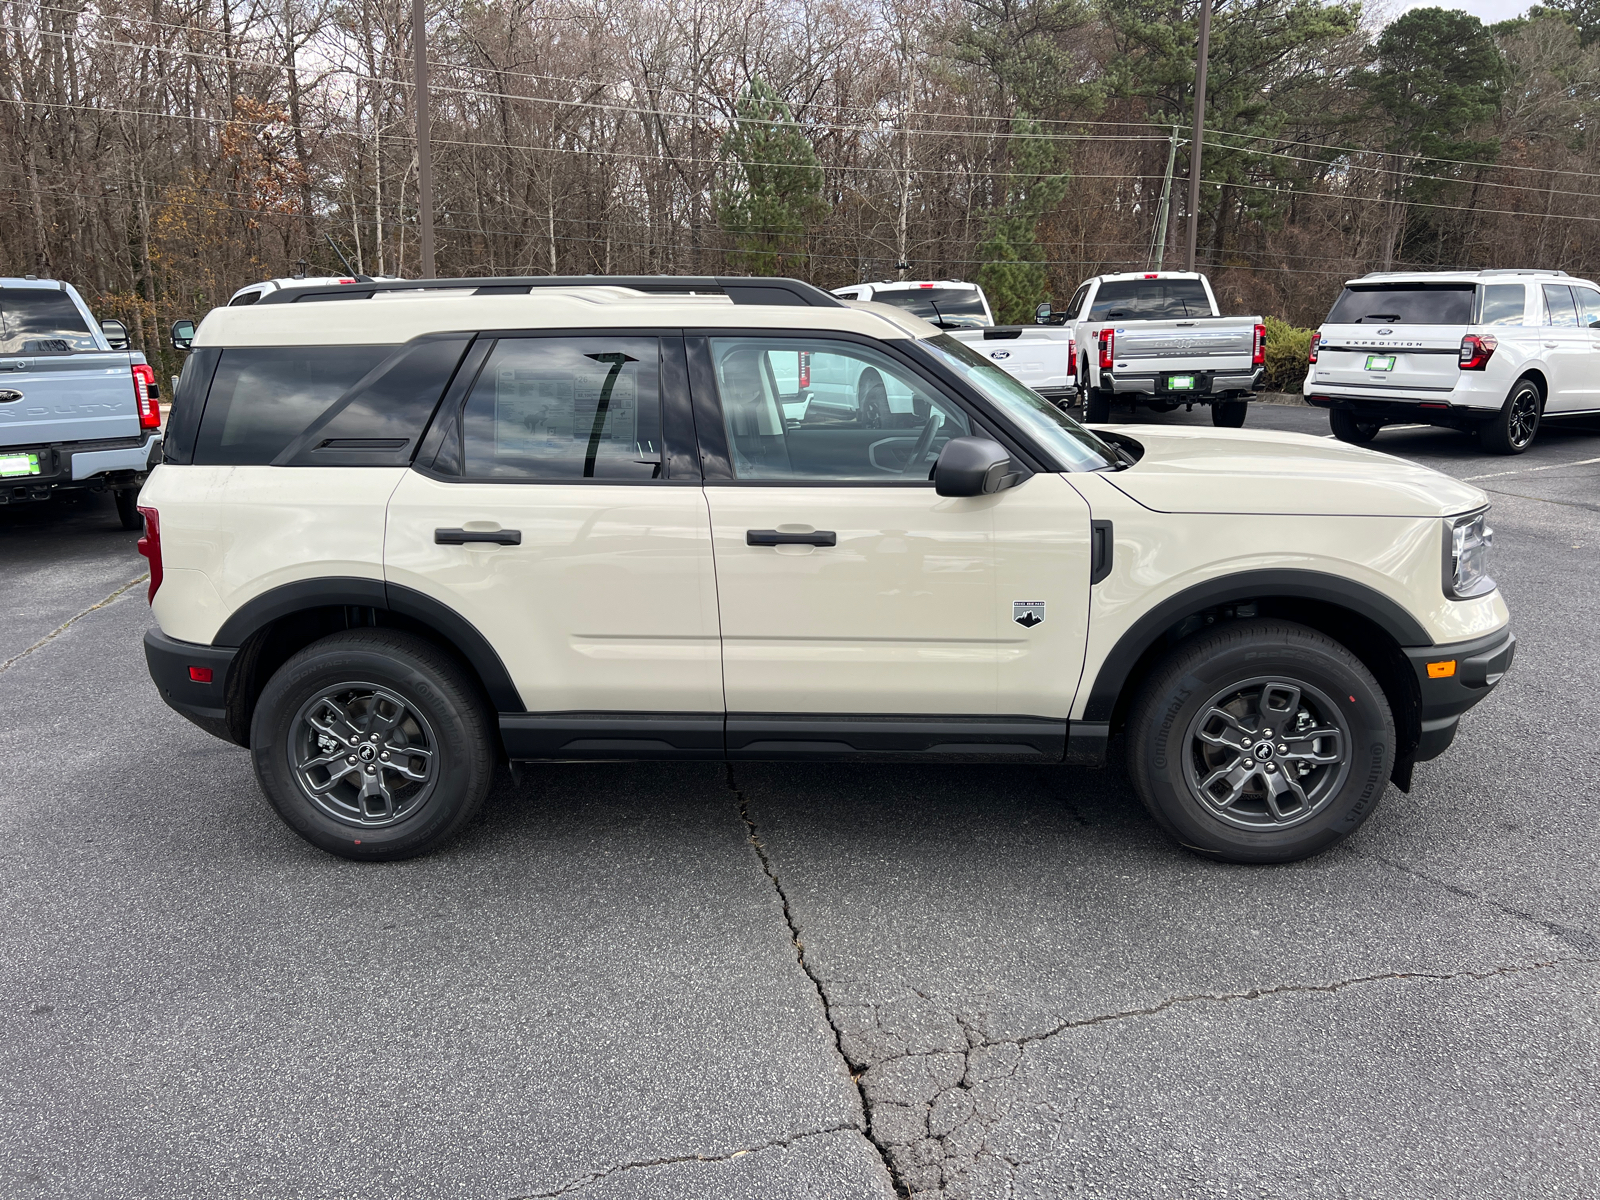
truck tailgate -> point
(80, 397)
(1220, 343)
(1037, 355)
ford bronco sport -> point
(401, 537)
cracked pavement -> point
(773, 981)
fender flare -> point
(1249, 585)
(305, 594)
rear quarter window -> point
(42, 321)
(1504, 304)
(263, 398)
(1404, 304)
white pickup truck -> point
(1155, 338)
(1041, 356)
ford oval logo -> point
(7, 395)
(999, 354)
(1381, 332)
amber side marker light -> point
(1442, 670)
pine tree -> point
(774, 190)
(1013, 274)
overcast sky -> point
(1487, 11)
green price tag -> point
(18, 464)
(1180, 383)
(1380, 362)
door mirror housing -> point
(182, 334)
(116, 333)
(1041, 315)
(973, 466)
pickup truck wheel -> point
(1097, 407)
(1347, 428)
(1512, 429)
(373, 744)
(872, 399)
(1229, 414)
(1260, 742)
(128, 507)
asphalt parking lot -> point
(830, 981)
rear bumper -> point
(1208, 385)
(67, 466)
(1476, 667)
(1441, 408)
(170, 661)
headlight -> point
(1466, 556)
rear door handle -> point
(460, 537)
(771, 537)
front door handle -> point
(460, 537)
(771, 537)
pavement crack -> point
(69, 622)
(771, 870)
(595, 1177)
(1572, 935)
(1261, 993)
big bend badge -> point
(1027, 613)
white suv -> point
(1489, 352)
(395, 542)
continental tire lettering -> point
(1373, 787)
(1179, 699)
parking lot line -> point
(1582, 462)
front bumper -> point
(92, 466)
(170, 662)
(1474, 667)
(1208, 385)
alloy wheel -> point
(1267, 754)
(363, 754)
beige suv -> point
(404, 532)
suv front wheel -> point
(1260, 742)
(373, 744)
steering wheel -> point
(923, 442)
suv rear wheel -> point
(1260, 742)
(1347, 427)
(1512, 429)
(373, 744)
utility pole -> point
(1158, 246)
(1199, 128)
(419, 40)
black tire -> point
(445, 714)
(1513, 428)
(1096, 407)
(1229, 414)
(1345, 427)
(872, 400)
(128, 508)
(1177, 746)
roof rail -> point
(1521, 271)
(739, 289)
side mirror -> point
(116, 333)
(182, 334)
(1041, 315)
(972, 466)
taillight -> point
(1477, 350)
(1258, 355)
(1316, 340)
(146, 396)
(805, 368)
(150, 547)
(1072, 355)
(1108, 349)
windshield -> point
(1404, 304)
(1150, 300)
(953, 308)
(1073, 446)
(41, 321)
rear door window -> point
(1150, 300)
(1503, 304)
(565, 409)
(1404, 304)
(1558, 307)
(1588, 306)
(263, 398)
(42, 321)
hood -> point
(1186, 469)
